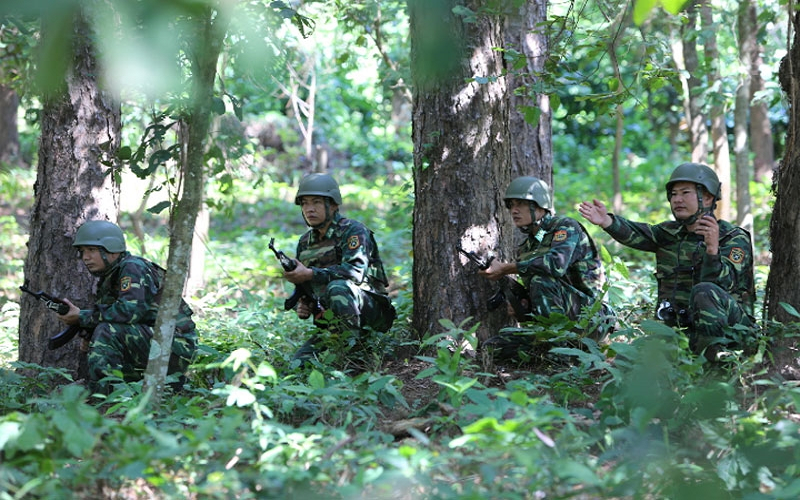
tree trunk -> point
(531, 151)
(9, 135)
(462, 162)
(744, 215)
(784, 229)
(693, 102)
(206, 42)
(719, 131)
(80, 129)
(761, 141)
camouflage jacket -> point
(563, 249)
(347, 251)
(682, 261)
(129, 293)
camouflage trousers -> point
(717, 318)
(349, 311)
(548, 295)
(126, 348)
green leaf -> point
(217, 106)
(641, 10)
(316, 380)
(159, 207)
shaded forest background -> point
(627, 104)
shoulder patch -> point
(353, 242)
(560, 235)
(125, 284)
(737, 255)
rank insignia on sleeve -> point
(353, 242)
(736, 255)
(125, 284)
(560, 235)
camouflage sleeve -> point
(730, 268)
(135, 302)
(638, 235)
(567, 238)
(354, 247)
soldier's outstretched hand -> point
(595, 212)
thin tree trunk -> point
(761, 140)
(9, 135)
(693, 103)
(719, 132)
(744, 215)
(206, 46)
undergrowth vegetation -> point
(638, 417)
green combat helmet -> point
(100, 233)
(318, 185)
(701, 176)
(532, 189)
(698, 174)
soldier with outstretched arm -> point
(704, 266)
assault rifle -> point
(61, 307)
(300, 290)
(510, 290)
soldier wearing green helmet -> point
(557, 263)
(704, 266)
(120, 324)
(339, 258)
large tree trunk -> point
(784, 230)
(80, 128)
(462, 162)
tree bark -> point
(462, 162)
(531, 151)
(80, 132)
(784, 229)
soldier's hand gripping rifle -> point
(510, 290)
(61, 307)
(300, 290)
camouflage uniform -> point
(708, 294)
(122, 321)
(349, 280)
(560, 267)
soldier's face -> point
(93, 258)
(520, 211)
(313, 208)
(683, 199)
